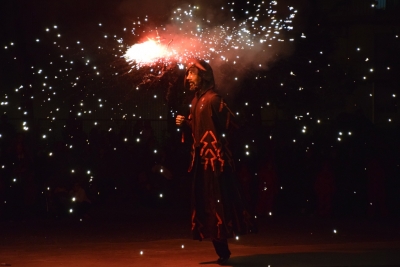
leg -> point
(222, 250)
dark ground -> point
(116, 236)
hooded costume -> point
(218, 211)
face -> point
(193, 78)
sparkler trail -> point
(233, 41)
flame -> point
(147, 52)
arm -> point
(219, 113)
(181, 120)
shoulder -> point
(214, 100)
(213, 96)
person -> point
(218, 210)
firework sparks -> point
(190, 36)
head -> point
(199, 75)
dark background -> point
(287, 162)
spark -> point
(191, 36)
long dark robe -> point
(218, 209)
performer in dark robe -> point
(218, 211)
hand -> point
(179, 120)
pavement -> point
(161, 237)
